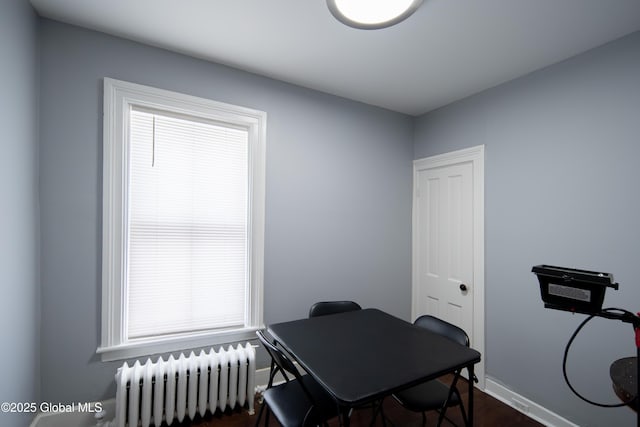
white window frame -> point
(119, 98)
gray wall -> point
(561, 180)
(561, 146)
(19, 306)
(338, 194)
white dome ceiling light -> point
(372, 14)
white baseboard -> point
(262, 377)
(518, 402)
(526, 406)
(492, 388)
(82, 415)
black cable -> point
(566, 353)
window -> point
(183, 221)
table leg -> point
(471, 387)
(346, 419)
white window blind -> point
(187, 255)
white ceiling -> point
(447, 50)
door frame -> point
(475, 155)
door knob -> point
(463, 287)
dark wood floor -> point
(489, 412)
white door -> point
(448, 260)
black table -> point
(362, 356)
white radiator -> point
(170, 390)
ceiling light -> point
(372, 14)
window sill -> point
(156, 346)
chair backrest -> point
(443, 328)
(281, 362)
(332, 307)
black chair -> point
(298, 402)
(434, 395)
(332, 307)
